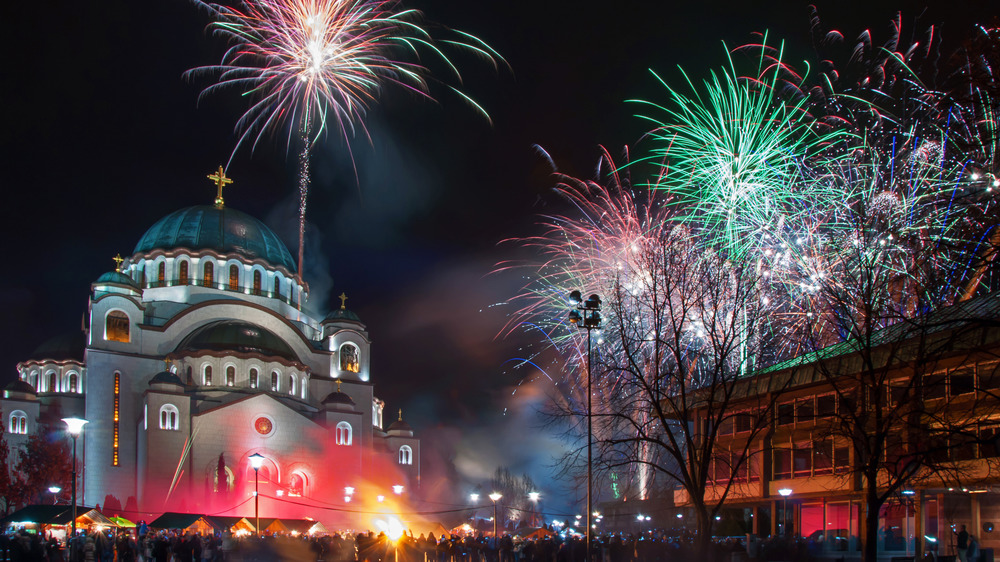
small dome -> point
(338, 397)
(241, 337)
(165, 377)
(20, 386)
(341, 315)
(117, 278)
(400, 425)
(61, 348)
(224, 230)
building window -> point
(349, 360)
(208, 375)
(116, 326)
(296, 485)
(208, 274)
(277, 286)
(253, 378)
(786, 413)
(782, 463)
(161, 274)
(405, 455)
(170, 417)
(116, 417)
(344, 433)
(291, 384)
(182, 277)
(73, 378)
(274, 381)
(256, 281)
(18, 422)
(230, 376)
(50, 382)
(234, 277)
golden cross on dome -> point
(400, 414)
(343, 301)
(221, 181)
(118, 259)
(338, 385)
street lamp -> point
(495, 497)
(533, 498)
(256, 461)
(591, 320)
(74, 426)
(54, 490)
(784, 493)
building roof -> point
(117, 278)
(20, 386)
(338, 397)
(225, 230)
(340, 315)
(166, 377)
(60, 348)
(237, 336)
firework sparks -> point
(307, 65)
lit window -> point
(208, 275)
(291, 384)
(253, 378)
(73, 378)
(116, 326)
(182, 277)
(274, 381)
(50, 382)
(169, 417)
(208, 375)
(256, 281)
(405, 455)
(161, 274)
(295, 485)
(234, 277)
(230, 376)
(18, 422)
(349, 358)
(343, 433)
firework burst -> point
(309, 65)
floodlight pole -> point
(74, 426)
(256, 460)
(591, 320)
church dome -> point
(340, 315)
(225, 230)
(338, 397)
(165, 377)
(241, 337)
(62, 348)
(118, 278)
(20, 386)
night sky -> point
(102, 136)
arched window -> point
(291, 384)
(234, 277)
(349, 358)
(142, 278)
(274, 381)
(161, 274)
(256, 281)
(50, 382)
(208, 274)
(170, 417)
(230, 376)
(18, 422)
(296, 484)
(73, 379)
(116, 326)
(405, 455)
(208, 375)
(230, 479)
(277, 286)
(190, 376)
(182, 277)
(344, 433)
(253, 378)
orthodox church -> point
(198, 353)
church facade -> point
(197, 353)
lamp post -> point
(54, 490)
(533, 498)
(74, 426)
(591, 320)
(256, 461)
(784, 493)
(495, 497)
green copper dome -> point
(224, 230)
